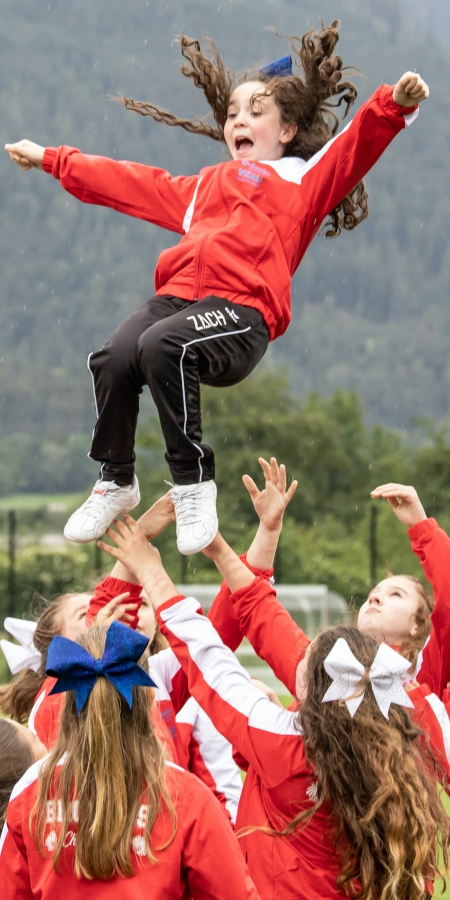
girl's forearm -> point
(261, 553)
(232, 569)
(158, 586)
(123, 574)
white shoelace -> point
(95, 502)
(188, 507)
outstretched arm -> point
(271, 630)
(432, 545)
(336, 169)
(263, 733)
(145, 192)
(121, 582)
(270, 505)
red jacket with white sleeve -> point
(205, 752)
(191, 741)
(202, 862)
(277, 205)
(280, 782)
(432, 545)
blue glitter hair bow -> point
(76, 670)
(280, 68)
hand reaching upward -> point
(410, 90)
(271, 502)
(404, 500)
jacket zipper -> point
(198, 280)
(201, 251)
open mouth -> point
(243, 145)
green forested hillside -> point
(370, 308)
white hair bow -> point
(386, 674)
(24, 654)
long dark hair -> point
(380, 779)
(15, 758)
(305, 100)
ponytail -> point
(113, 759)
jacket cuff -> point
(390, 106)
(422, 529)
(261, 573)
(48, 159)
(109, 588)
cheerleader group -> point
(140, 719)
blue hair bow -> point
(279, 68)
(76, 670)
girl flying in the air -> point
(223, 292)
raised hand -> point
(404, 500)
(131, 547)
(117, 610)
(410, 90)
(26, 155)
(271, 502)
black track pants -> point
(173, 346)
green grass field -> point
(29, 502)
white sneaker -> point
(196, 515)
(106, 502)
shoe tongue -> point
(106, 486)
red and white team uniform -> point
(432, 545)
(188, 734)
(278, 640)
(205, 752)
(280, 782)
(202, 862)
(279, 206)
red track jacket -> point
(190, 737)
(245, 225)
(202, 862)
(280, 782)
(278, 640)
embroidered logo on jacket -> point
(251, 173)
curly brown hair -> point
(305, 100)
(380, 778)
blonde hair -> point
(412, 646)
(17, 698)
(113, 759)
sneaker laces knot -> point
(188, 507)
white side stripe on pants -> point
(189, 344)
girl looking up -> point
(224, 291)
(398, 609)
(319, 817)
(105, 815)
